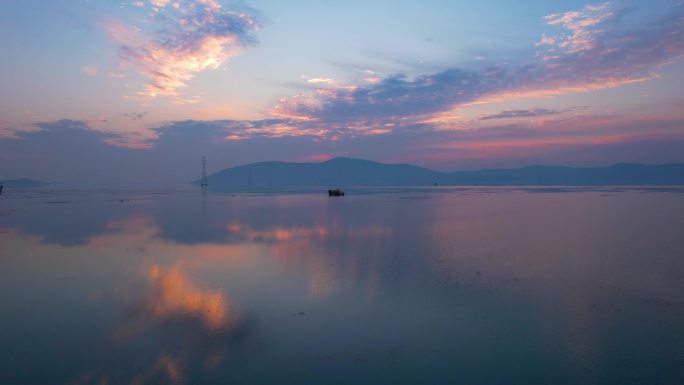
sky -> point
(105, 92)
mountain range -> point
(345, 172)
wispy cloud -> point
(521, 114)
(321, 81)
(399, 118)
(135, 115)
(115, 132)
(587, 49)
(90, 70)
(71, 151)
(593, 50)
(582, 27)
(192, 36)
(14, 130)
(246, 129)
(6, 131)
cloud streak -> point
(581, 25)
(593, 50)
(194, 36)
(71, 152)
(587, 49)
(521, 114)
(392, 118)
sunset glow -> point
(163, 81)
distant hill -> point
(356, 172)
(23, 183)
(334, 172)
(618, 174)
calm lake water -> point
(423, 286)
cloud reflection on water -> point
(207, 293)
(172, 294)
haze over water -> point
(434, 285)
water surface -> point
(384, 286)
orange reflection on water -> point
(174, 294)
(277, 233)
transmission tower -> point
(203, 182)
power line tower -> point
(203, 182)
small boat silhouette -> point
(335, 193)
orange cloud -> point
(198, 35)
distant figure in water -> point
(335, 193)
(1, 186)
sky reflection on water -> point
(463, 286)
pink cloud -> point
(318, 157)
(90, 70)
(547, 136)
(592, 51)
(582, 26)
(194, 36)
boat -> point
(335, 193)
